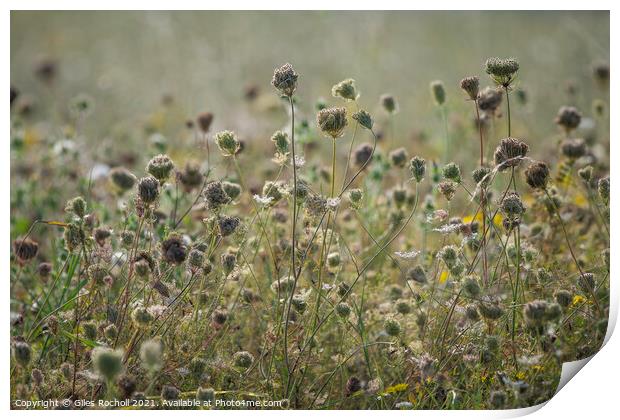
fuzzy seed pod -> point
(299, 303)
(537, 175)
(141, 317)
(170, 393)
(564, 298)
(110, 332)
(205, 394)
(403, 307)
(204, 121)
(332, 121)
(398, 157)
(282, 142)
(417, 167)
(553, 312)
(399, 195)
(122, 179)
(227, 225)
(227, 142)
(363, 118)
(191, 177)
(345, 90)
(25, 250)
(67, 370)
(471, 313)
(452, 172)
(148, 189)
(416, 274)
(22, 353)
(37, 377)
(587, 282)
(568, 118)
(127, 238)
(512, 206)
(228, 260)
(471, 286)
(196, 258)
(173, 249)
(243, 359)
(353, 385)
(362, 154)
(534, 312)
(316, 206)
(585, 174)
(389, 103)
(74, 237)
(44, 270)
(151, 355)
(356, 196)
(479, 175)
(77, 206)
(285, 79)
(392, 327)
(89, 329)
(471, 85)
(447, 189)
(489, 309)
(107, 362)
(96, 274)
(215, 196)
(232, 190)
(489, 100)
(439, 92)
(343, 310)
(573, 149)
(509, 152)
(219, 317)
(502, 71)
(160, 167)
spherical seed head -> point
(77, 206)
(107, 362)
(489, 100)
(148, 189)
(392, 327)
(471, 285)
(604, 189)
(281, 141)
(402, 307)
(205, 394)
(471, 313)
(174, 250)
(122, 178)
(479, 174)
(601, 72)
(343, 310)
(363, 118)
(74, 237)
(398, 157)
(510, 152)
(497, 399)
(355, 197)
(191, 177)
(227, 142)
(564, 298)
(227, 225)
(573, 149)
(534, 312)
(110, 332)
(196, 258)
(511, 205)
(285, 79)
(151, 355)
(537, 175)
(553, 312)
(416, 274)
(438, 91)
(568, 118)
(228, 260)
(97, 273)
(362, 154)
(345, 90)
(22, 353)
(141, 317)
(170, 393)
(502, 70)
(489, 309)
(452, 172)
(332, 121)
(352, 386)
(587, 282)
(316, 205)
(243, 359)
(89, 329)
(448, 189)
(389, 103)
(333, 259)
(25, 249)
(160, 167)
(299, 303)
(219, 317)
(204, 121)
(471, 85)
(417, 167)
(215, 196)
(44, 269)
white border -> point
(595, 392)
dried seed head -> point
(586, 174)
(151, 355)
(332, 121)
(44, 270)
(107, 362)
(489, 100)
(97, 274)
(243, 359)
(160, 167)
(215, 196)
(191, 177)
(110, 332)
(77, 206)
(601, 72)
(281, 140)
(553, 312)
(568, 118)
(22, 353)
(573, 149)
(452, 172)
(228, 260)
(343, 310)
(471, 85)
(537, 175)
(285, 79)
(127, 385)
(227, 142)
(363, 118)
(416, 274)
(604, 189)
(141, 317)
(479, 174)
(447, 189)
(512, 206)
(564, 298)
(219, 317)
(356, 196)
(316, 205)
(170, 393)
(74, 237)
(25, 249)
(417, 166)
(471, 286)
(438, 91)
(122, 179)
(489, 309)
(204, 121)
(509, 153)
(148, 189)
(534, 312)
(403, 307)
(587, 282)
(196, 258)
(205, 394)
(471, 313)
(392, 327)
(353, 385)
(362, 154)
(389, 103)
(345, 90)
(398, 157)
(503, 71)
